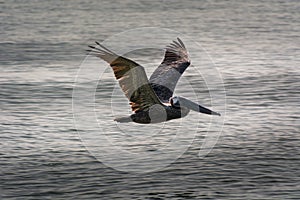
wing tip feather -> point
(180, 41)
(176, 46)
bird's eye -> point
(175, 102)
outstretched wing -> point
(165, 77)
(131, 76)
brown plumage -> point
(132, 79)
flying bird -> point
(152, 100)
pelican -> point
(152, 100)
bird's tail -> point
(123, 119)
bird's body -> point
(161, 114)
(151, 100)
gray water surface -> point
(255, 47)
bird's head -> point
(180, 102)
(175, 102)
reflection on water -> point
(255, 48)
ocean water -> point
(46, 154)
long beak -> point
(196, 107)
